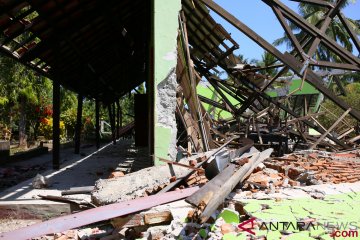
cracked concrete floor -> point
(84, 170)
(319, 209)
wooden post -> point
(330, 129)
(78, 124)
(114, 122)
(111, 118)
(97, 123)
(117, 119)
(56, 125)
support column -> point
(78, 124)
(97, 123)
(117, 119)
(112, 123)
(164, 44)
(56, 125)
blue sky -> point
(259, 17)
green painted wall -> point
(165, 17)
(295, 84)
(209, 92)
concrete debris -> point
(275, 190)
(112, 190)
(116, 174)
(40, 182)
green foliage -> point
(127, 106)
(267, 59)
(352, 98)
(26, 104)
(314, 14)
(21, 92)
(46, 128)
(69, 118)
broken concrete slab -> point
(34, 209)
(133, 185)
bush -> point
(352, 98)
(46, 128)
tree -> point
(267, 59)
(352, 98)
(313, 14)
(21, 88)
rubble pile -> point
(217, 185)
(251, 190)
(318, 167)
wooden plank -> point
(330, 129)
(96, 215)
(212, 194)
(178, 164)
(128, 221)
(158, 217)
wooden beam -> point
(118, 113)
(97, 123)
(315, 2)
(351, 31)
(330, 129)
(286, 58)
(56, 125)
(112, 123)
(78, 123)
(210, 196)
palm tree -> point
(267, 59)
(314, 14)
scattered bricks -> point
(148, 192)
(345, 155)
(311, 168)
(201, 159)
(193, 163)
(190, 214)
(242, 161)
(351, 178)
(293, 173)
(201, 171)
(264, 183)
(196, 179)
(294, 183)
(313, 155)
(318, 164)
(278, 183)
(227, 228)
(339, 166)
(116, 174)
(203, 180)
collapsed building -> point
(103, 51)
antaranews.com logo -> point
(335, 229)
